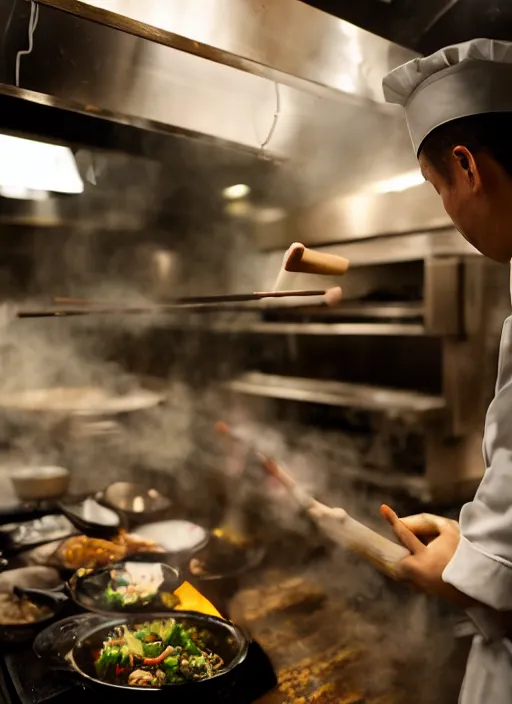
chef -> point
(458, 105)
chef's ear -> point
(466, 167)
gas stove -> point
(24, 679)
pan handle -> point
(54, 644)
(57, 597)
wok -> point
(16, 634)
(88, 591)
(70, 645)
(80, 401)
(218, 568)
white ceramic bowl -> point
(38, 483)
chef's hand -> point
(424, 568)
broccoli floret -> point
(171, 663)
(188, 644)
(142, 634)
(153, 650)
(110, 656)
(124, 659)
(113, 597)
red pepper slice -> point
(156, 661)
(120, 671)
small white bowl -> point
(39, 483)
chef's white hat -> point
(458, 81)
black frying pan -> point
(88, 591)
(16, 634)
(71, 645)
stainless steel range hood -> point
(208, 69)
(284, 40)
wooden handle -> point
(341, 528)
(330, 299)
(335, 523)
(300, 259)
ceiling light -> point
(402, 182)
(237, 191)
(37, 166)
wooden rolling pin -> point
(335, 523)
(300, 259)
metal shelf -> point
(302, 328)
(394, 311)
(337, 393)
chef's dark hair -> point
(490, 132)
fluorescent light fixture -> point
(236, 192)
(37, 166)
(402, 182)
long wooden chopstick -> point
(228, 298)
(243, 302)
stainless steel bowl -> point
(40, 483)
(134, 500)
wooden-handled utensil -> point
(252, 302)
(335, 523)
(300, 259)
(191, 300)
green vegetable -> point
(142, 634)
(134, 645)
(163, 630)
(171, 664)
(188, 644)
(153, 650)
(173, 634)
(109, 657)
(124, 659)
(139, 659)
(113, 597)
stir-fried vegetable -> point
(124, 590)
(157, 653)
(119, 595)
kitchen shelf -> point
(391, 311)
(307, 328)
(337, 393)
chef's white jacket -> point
(482, 564)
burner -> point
(34, 683)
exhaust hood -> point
(237, 74)
(316, 52)
(210, 70)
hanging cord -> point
(273, 126)
(32, 24)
